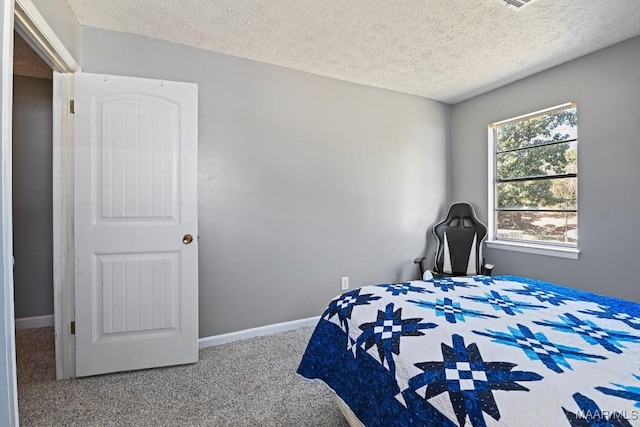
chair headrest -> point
(461, 210)
(461, 218)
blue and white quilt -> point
(480, 351)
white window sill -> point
(532, 248)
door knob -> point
(187, 238)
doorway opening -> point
(59, 66)
(32, 209)
(32, 151)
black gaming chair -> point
(460, 236)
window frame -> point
(547, 248)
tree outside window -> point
(536, 177)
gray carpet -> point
(246, 383)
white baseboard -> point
(256, 332)
(44, 321)
(34, 322)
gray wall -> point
(606, 87)
(32, 196)
(302, 179)
(63, 22)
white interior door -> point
(135, 198)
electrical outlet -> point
(344, 283)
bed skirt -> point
(348, 413)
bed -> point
(479, 351)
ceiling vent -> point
(515, 4)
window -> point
(534, 187)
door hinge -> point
(72, 106)
(72, 326)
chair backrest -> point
(460, 237)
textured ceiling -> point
(447, 50)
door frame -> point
(8, 381)
(32, 26)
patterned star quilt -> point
(480, 351)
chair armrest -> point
(487, 269)
(420, 265)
